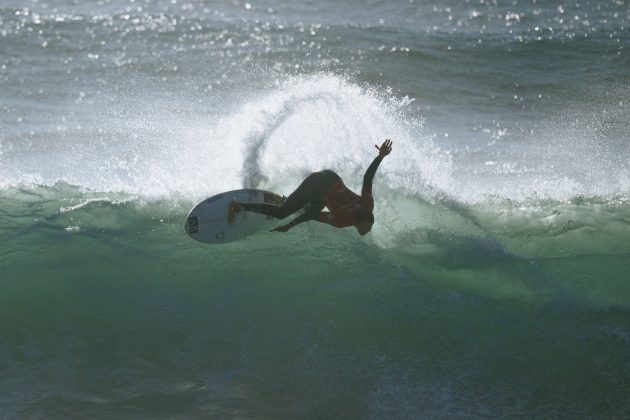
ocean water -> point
(496, 280)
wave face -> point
(104, 293)
(495, 280)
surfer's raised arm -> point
(384, 150)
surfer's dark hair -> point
(363, 215)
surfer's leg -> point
(262, 208)
(312, 189)
(316, 205)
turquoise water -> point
(495, 280)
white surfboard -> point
(207, 221)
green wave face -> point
(105, 298)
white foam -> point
(148, 147)
(272, 139)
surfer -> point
(324, 189)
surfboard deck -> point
(207, 221)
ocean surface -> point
(496, 280)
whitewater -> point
(494, 282)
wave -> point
(546, 250)
(271, 139)
(108, 286)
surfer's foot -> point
(234, 209)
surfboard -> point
(207, 221)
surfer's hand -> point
(284, 228)
(385, 148)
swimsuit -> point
(343, 204)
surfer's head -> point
(363, 220)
